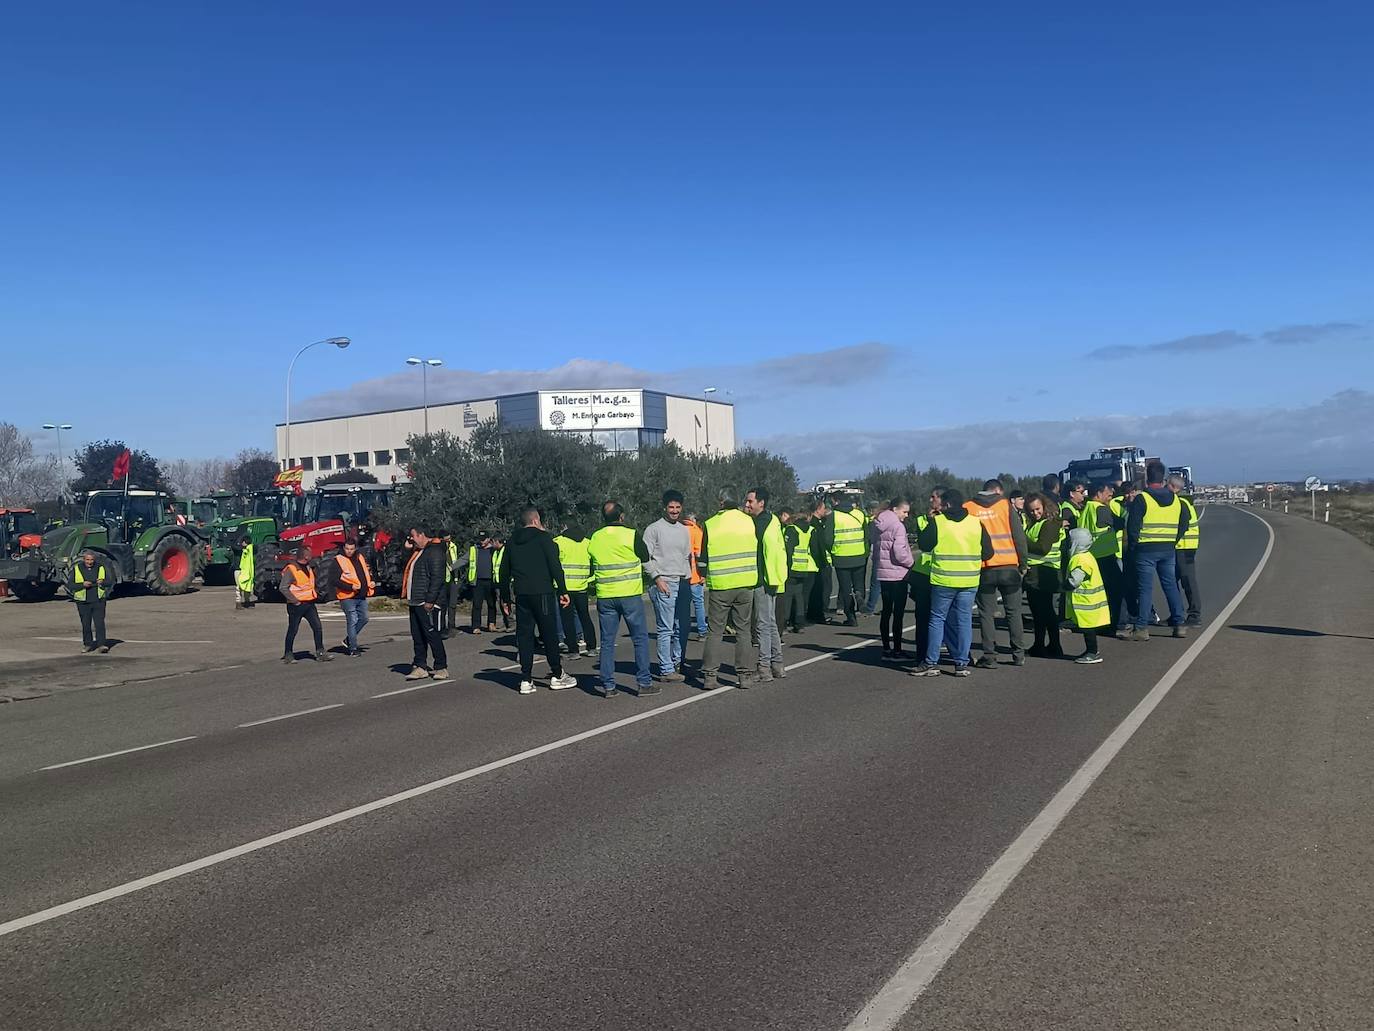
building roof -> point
(498, 397)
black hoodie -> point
(530, 564)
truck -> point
(1115, 463)
(136, 533)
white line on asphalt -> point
(915, 975)
(122, 751)
(129, 888)
(407, 690)
(291, 715)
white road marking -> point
(407, 690)
(78, 640)
(122, 751)
(130, 887)
(290, 715)
(915, 975)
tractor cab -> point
(126, 518)
(16, 523)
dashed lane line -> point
(257, 845)
(122, 751)
(290, 715)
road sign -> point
(1271, 488)
(1312, 483)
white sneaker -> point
(527, 687)
(562, 683)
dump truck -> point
(136, 532)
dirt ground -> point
(40, 643)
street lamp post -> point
(61, 456)
(706, 405)
(425, 364)
(340, 343)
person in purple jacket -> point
(892, 561)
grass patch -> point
(1353, 513)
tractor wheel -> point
(325, 567)
(171, 565)
(26, 591)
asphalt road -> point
(759, 859)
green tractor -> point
(138, 534)
(260, 516)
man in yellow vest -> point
(483, 566)
(244, 580)
(1100, 520)
(801, 572)
(848, 547)
(576, 560)
(618, 555)
(1187, 553)
(730, 557)
(772, 560)
(1002, 574)
(1155, 522)
(958, 545)
(89, 585)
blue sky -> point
(1025, 214)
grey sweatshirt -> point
(670, 550)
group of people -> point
(1084, 556)
(1080, 556)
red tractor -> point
(331, 513)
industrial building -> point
(621, 421)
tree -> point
(348, 476)
(466, 487)
(95, 465)
(24, 478)
(252, 469)
(193, 478)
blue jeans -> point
(699, 607)
(355, 618)
(875, 590)
(610, 611)
(951, 622)
(673, 616)
(1149, 563)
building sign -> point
(591, 409)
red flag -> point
(121, 466)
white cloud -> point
(1333, 439)
(855, 363)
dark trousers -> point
(92, 614)
(793, 605)
(819, 601)
(853, 588)
(919, 586)
(893, 593)
(483, 595)
(1004, 581)
(450, 599)
(1090, 641)
(303, 611)
(425, 636)
(1115, 584)
(575, 613)
(1044, 620)
(1187, 580)
(537, 612)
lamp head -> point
(339, 342)
(434, 361)
(412, 361)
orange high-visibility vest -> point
(997, 521)
(695, 532)
(349, 584)
(302, 586)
